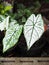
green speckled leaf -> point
(11, 37)
(33, 29)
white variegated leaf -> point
(7, 22)
(33, 29)
(4, 24)
(12, 36)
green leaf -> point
(20, 6)
(33, 29)
(1, 6)
(12, 36)
(7, 8)
(2, 12)
(2, 18)
(47, 1)
(23, 19)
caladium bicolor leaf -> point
(4, 24)
(11, 37)
(33, 29)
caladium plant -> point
(12, 36)
(32, 29)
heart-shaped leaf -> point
(33, 29)
(12, 35)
